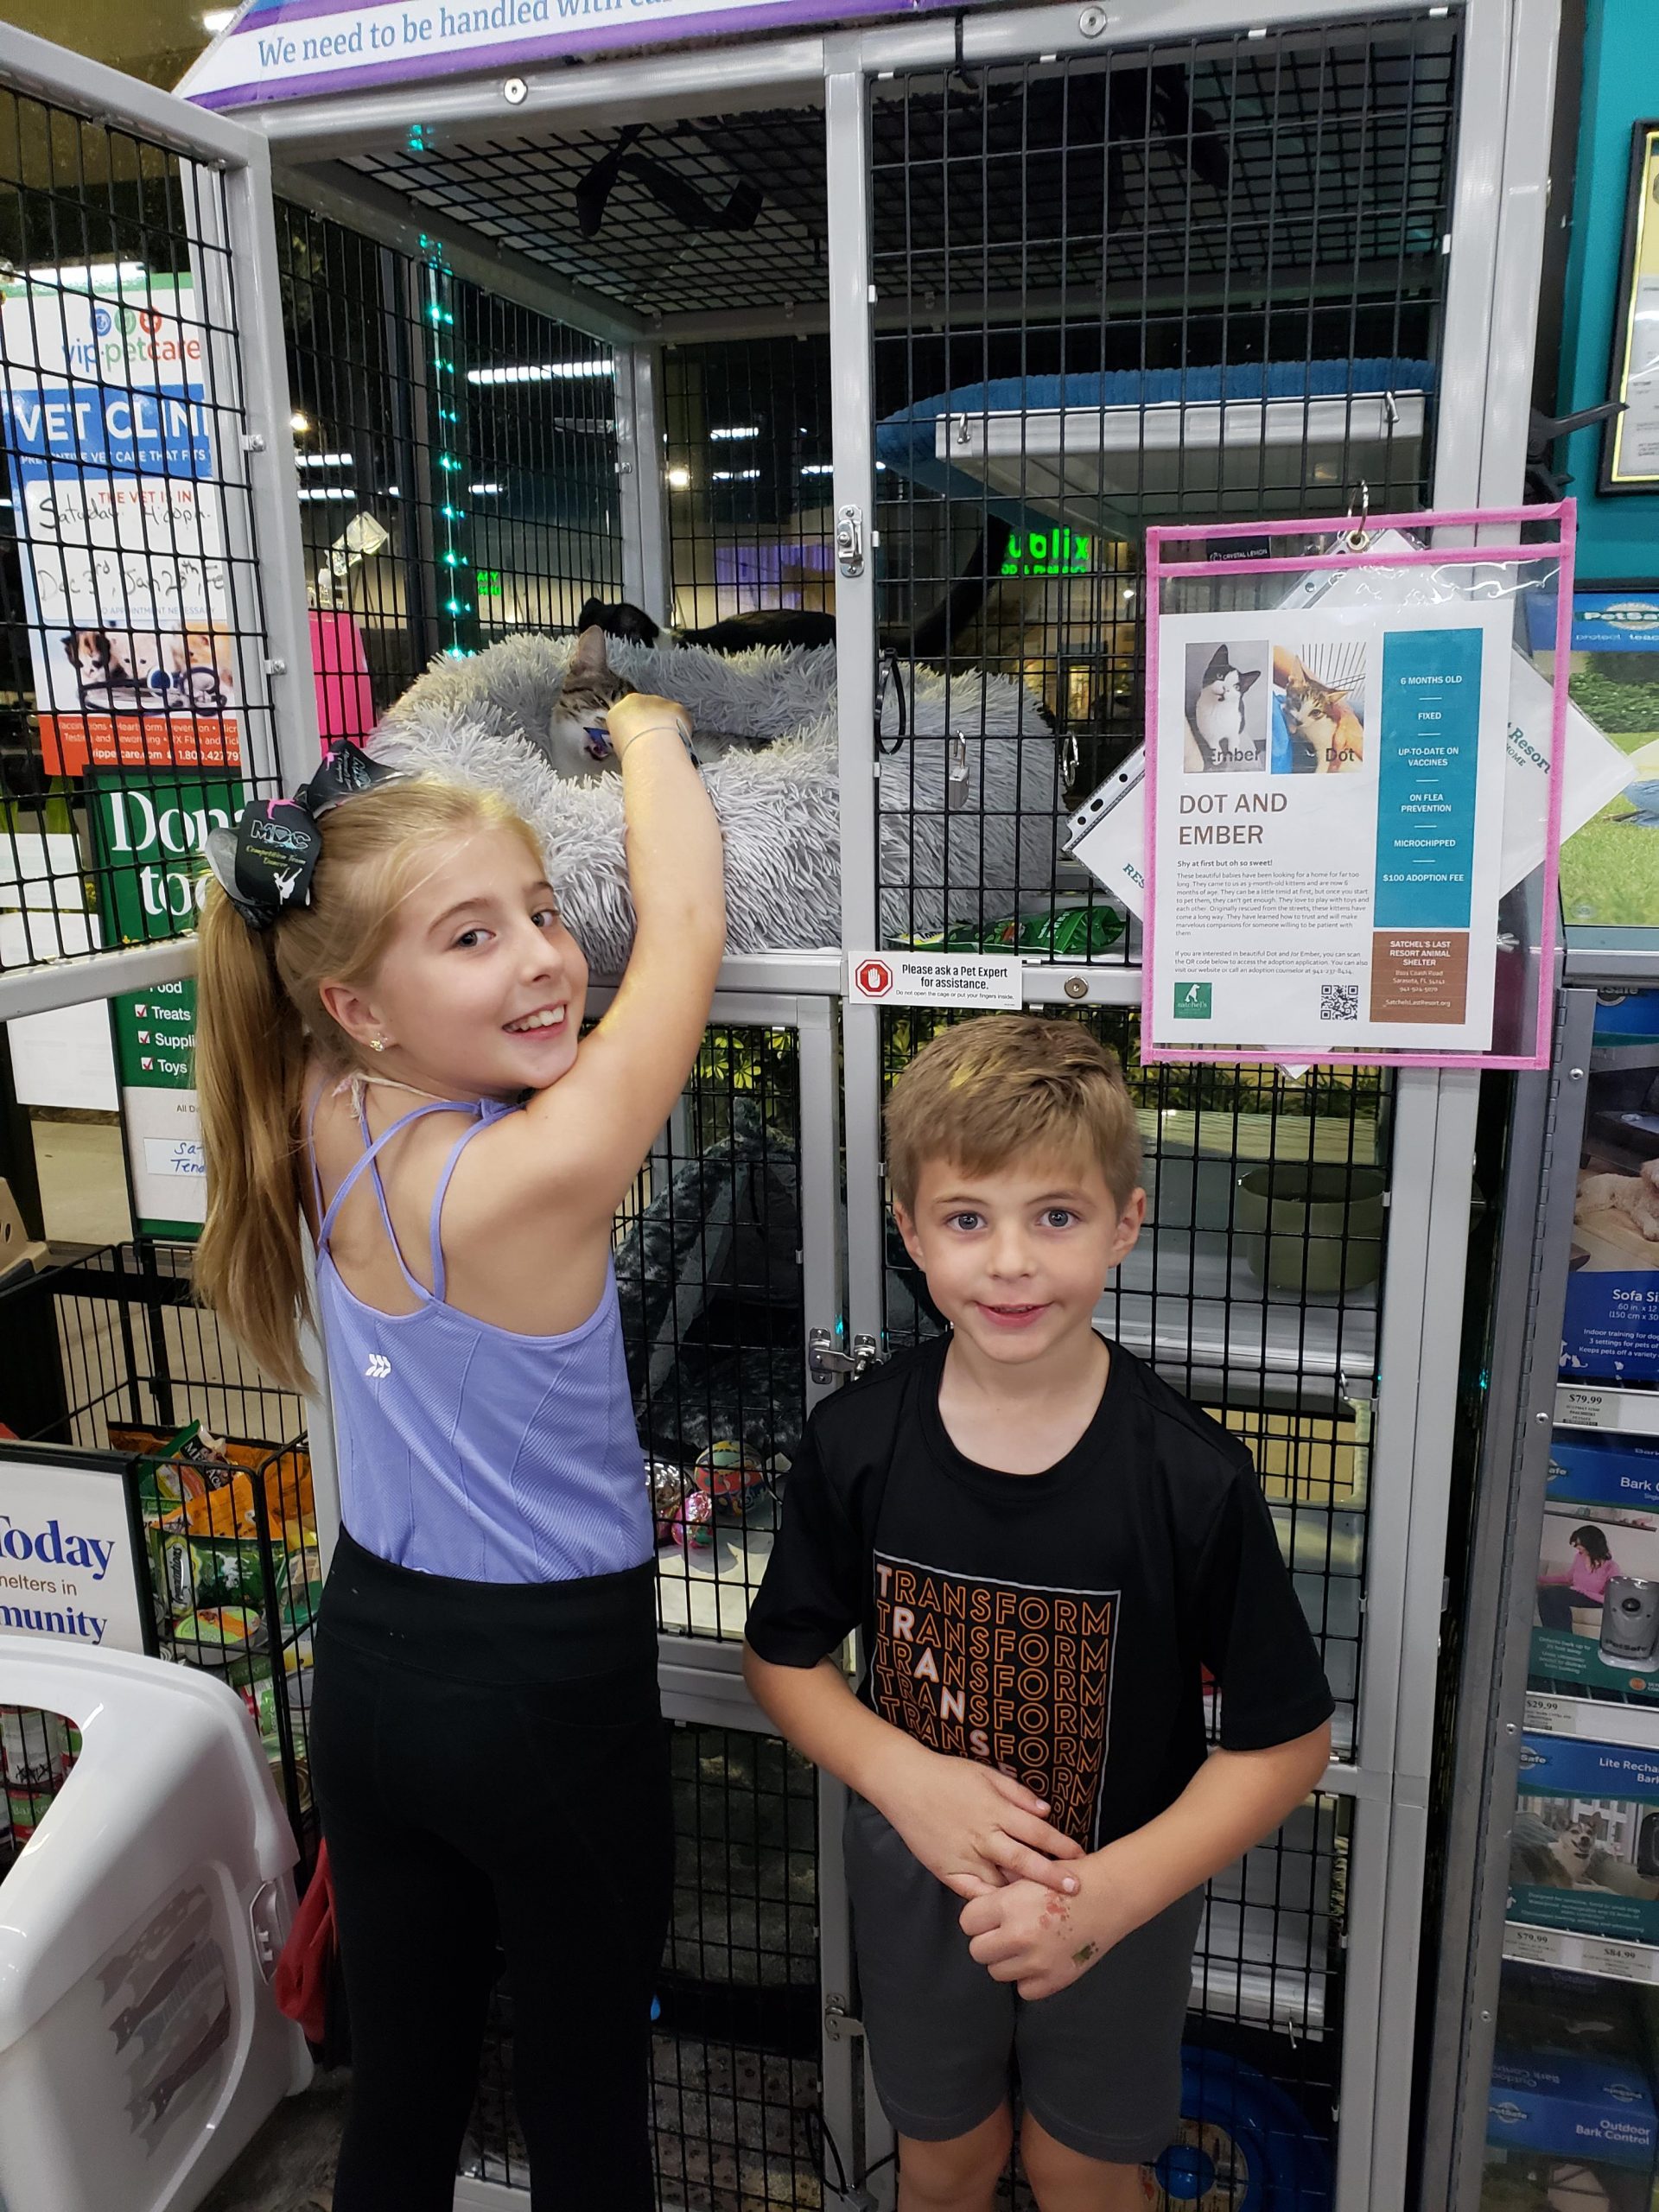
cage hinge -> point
(838, 2021)
(849, 541)
(826, 1364)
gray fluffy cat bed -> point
(778, 808)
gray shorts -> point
(1100, 2064)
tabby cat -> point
(577, 745)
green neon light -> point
(1048, 553)
(489, 583)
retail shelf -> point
(1593, 1719)
(1602, 1405)
(1559, 1947)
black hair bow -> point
(265, 862)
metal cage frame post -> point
(847, 156)
(647, 572)
(1546, 1134)
(1496, 249)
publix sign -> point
(150, 835)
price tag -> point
(1576, 1408)
(1532, 1946)
(1623, 1961)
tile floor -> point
(288, 2167)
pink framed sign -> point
(1353, 789)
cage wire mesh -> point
(133, 708)
(708, 1277)
(698, 215)
(1199, 278)
(749, 471)
(106, 1353)
(734, 2066)
(457, 454)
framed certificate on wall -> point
(1630, 445)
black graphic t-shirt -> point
(1055, 1624)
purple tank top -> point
(465, 1449)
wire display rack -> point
(106, 1352)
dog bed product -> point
(947, 858)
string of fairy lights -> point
(447, 386)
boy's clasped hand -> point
(972, 1826)
(1037, 1910)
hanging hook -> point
(1358, 537)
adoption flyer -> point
(1328, 819)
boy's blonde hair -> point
(990, 1091)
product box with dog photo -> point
(1611, 1329)
(1584, 1853)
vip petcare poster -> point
(1327, 826)
(113, 480)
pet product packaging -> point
(1583, 1851)
(1610, 867)
(1596, 1612)
(1572, 2105)
(1611, 1329)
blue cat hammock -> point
(1117, 450)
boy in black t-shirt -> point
(1043, 1546)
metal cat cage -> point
(920, 323)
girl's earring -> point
(377, 1044)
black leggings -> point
(491, 1765)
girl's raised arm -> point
(592, 1128)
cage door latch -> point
(849, 541)
(838, 2021)
(826, 1364)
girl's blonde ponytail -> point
(250, 1074)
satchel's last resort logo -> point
(1193, 1001)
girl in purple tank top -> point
(390, 1045)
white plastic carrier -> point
(140, 2045)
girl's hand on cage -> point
(641, 712)
(976, 1828)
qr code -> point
(1339, 1001)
